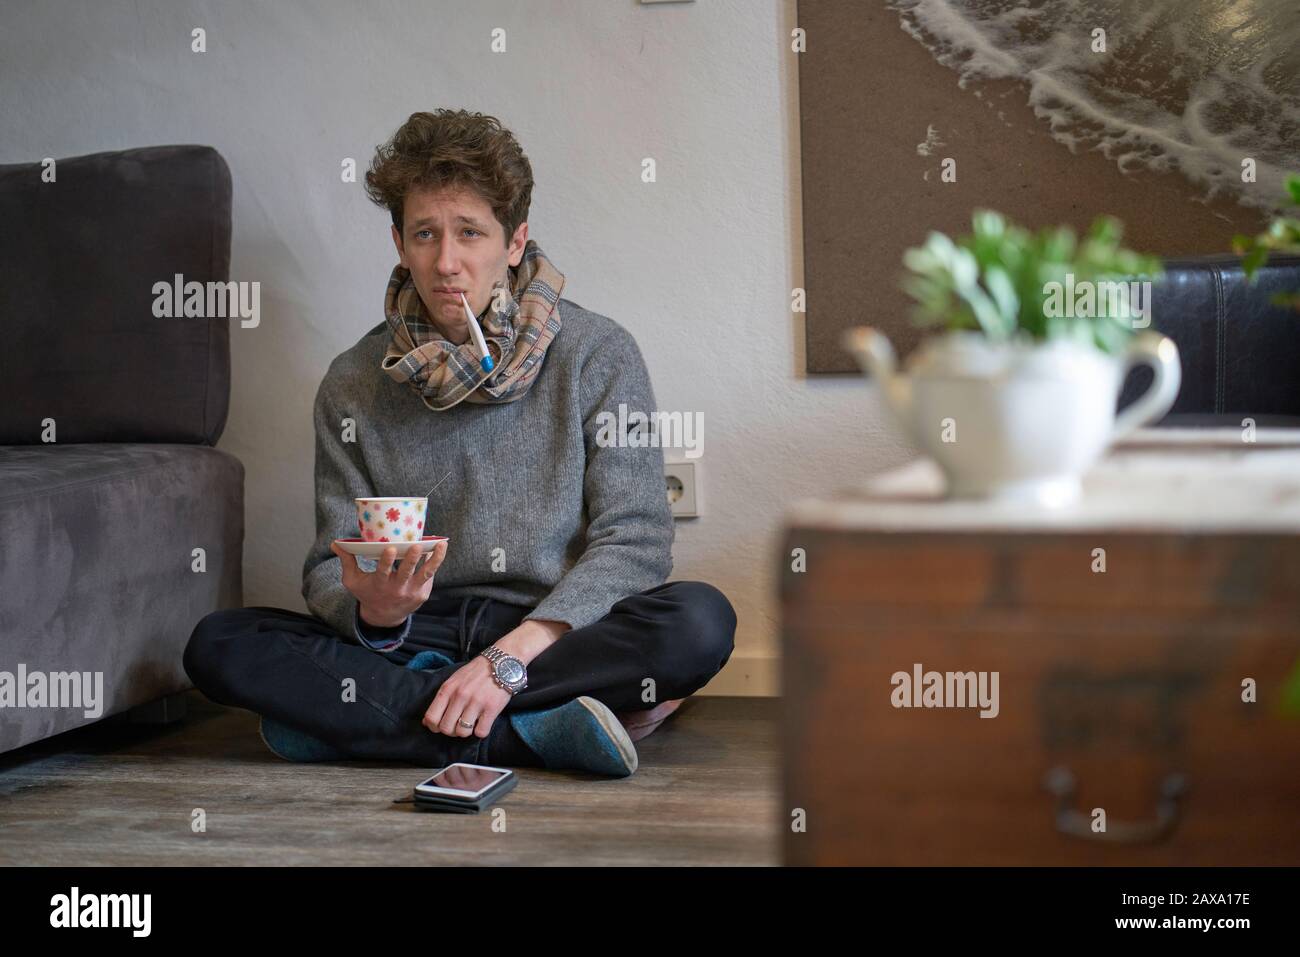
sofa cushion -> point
(98, 567)
(1240, 353)
(81, 257)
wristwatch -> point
(507, 670)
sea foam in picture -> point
(1192, 85)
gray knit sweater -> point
(537, 513)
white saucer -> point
(364, 549)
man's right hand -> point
(387, 595)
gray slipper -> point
(582, 734)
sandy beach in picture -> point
(884, 101)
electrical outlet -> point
(682, 486)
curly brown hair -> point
(454, 148)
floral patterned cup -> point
(391, 519)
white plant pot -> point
(1022, 421)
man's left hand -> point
(472, 693)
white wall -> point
(699, 266)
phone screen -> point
(464, 777)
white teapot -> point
(1016, 421)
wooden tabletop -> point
(1159, 479)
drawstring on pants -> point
(466, 640)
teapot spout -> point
(876, 357)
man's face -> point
(450, 239)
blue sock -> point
(429, 660)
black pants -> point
(292, 668)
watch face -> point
(510, 671)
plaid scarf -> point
(517, 336)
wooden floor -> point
(116, 793)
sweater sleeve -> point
(381, 639)
(341, 476)
(630, 526)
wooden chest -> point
(1124, 634)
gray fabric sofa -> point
(109, 479)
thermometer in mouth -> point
(486, 362)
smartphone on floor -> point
(464, 788)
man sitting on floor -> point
(558, 526)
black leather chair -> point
(98, 528)
(1240, 354)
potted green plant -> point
(1282, 235)
(1015, 398)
